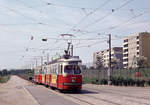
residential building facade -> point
(135, 46)
(116, 55)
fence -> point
(119, 77)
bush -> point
(4, 79)
(131, 82)
(147, 83)
(103, 82)
(115, 81)
(118, 81)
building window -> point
(126, 45)
(125, 60)
(137, 48)
(126, 50)
(125, 55)
(125, 65)
(126, 40)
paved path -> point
(14, 93)
(46, 97)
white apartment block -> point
(135, 46)
(116, 53)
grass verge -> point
(4, 79)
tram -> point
(63, 73)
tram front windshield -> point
(72, 69)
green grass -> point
(4, 79)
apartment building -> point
(116, 54)
(135, 46)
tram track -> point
(81, 100)
(132, 98)
(100, 99)
(117, 93)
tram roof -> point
(63, 59)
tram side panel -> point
(47, 79)
(40, 79)
(60, 81)
(36, 78)
(53, 82)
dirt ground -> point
(14, 93)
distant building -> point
(116, 55)
(135, 46)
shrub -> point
(4, 79)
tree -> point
(115, 63)
(0, 73)
(99, 62)
(142, 62)
(4, 72)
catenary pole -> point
(109, 68)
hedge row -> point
(118, 81)
(4, 79)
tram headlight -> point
(64, 74)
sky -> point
(84, 19)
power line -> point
(123, 23)
(15, 24)
(90, 45)
(85, 17)
(28, 6)
(62, 5)
(16, 12)
(75, 39)
(108, 14)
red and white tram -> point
(63, 74)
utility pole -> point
(47, 58)
(41, 61)
(109, 68)
(36, 62)
(68, 49)
(72, 50)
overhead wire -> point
(28, 6)
(85, 17)
(108, 14)
(90, 45)
(62, 5)
(122, 23)
(17, 12)
(74, 38)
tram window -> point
(72, 69)
(77, 70)
(68, 70)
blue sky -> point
(21, 19)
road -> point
(21, 92)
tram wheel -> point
(53, 88)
